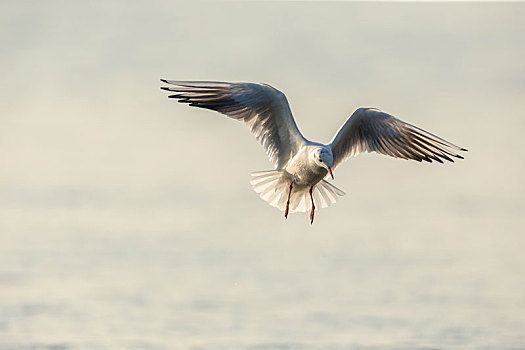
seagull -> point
(298, 181)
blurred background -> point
(127, 221)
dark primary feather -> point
(263, 108)
(369, 130)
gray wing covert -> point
(371, 130)
(263, 108)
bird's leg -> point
(288, 201)
(313, 206)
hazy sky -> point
(86, 129)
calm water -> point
(361, 288)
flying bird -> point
(298, 181)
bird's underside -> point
(297, 183)
(279, 190)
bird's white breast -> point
(303, 168)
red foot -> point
(288, 202)
(313, 206)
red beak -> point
(330, 171)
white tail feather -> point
(273, 186)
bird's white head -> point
(323, 158)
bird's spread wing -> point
(369, 129)
(263, 108)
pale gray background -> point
(128, 221)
